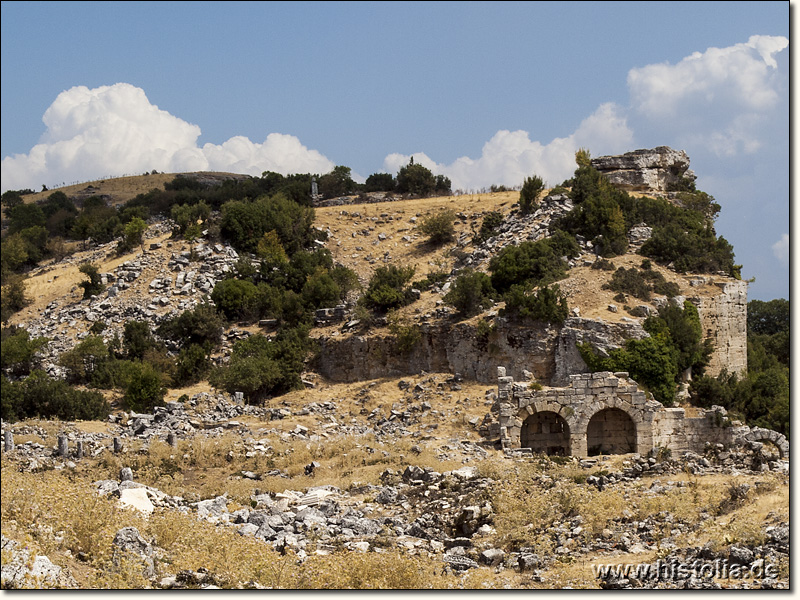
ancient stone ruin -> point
(646, 170)
(608, 413)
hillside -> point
(414, 448)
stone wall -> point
(608, 413)
(724, 320)
(444, 348)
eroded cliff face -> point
(724, 320)
(645, 170)
(443, 347)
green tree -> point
(471, 292)
(416, 180)
(134, 233)
(547, 304)
(137, 338)
(202, 326)
(13, 297)
(19, 351)
(380, 182)
(260, 368)
(234, 298)
(94, 285)
(144, 389)
(533, 263)
(336, 183)
(529, 194)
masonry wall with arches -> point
(606, 413)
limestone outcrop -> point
(645, 170)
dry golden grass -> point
(417, 253)
(121, 189)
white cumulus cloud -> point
(740, 74)
(113, 130)
(718, 99)
(781, 249)
(511, 156)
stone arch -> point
(611, 431)
(546, 432)
(758, 434)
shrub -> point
(201, 326)
(529, 194)
(407, 335)
(533, 263)
(19, 351)
(546, 304)
(144, 389)
(471, 292)
(13, 296)
(489, 225)
(629, 281)
(86, 360)
(439, 227)
(94, 285)
(388, 288)
(604, 264)
(192, 365)
(650, 362)
(260, 368)
(137, 338)
(42, 397)
(379, 182)
(235, 298)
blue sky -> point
(484, 93)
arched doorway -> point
(545, 432)
(611, 431)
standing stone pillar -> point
(63, 445)
(117, 445)
(126, 474)
(172, 439)
(79, 449)
(8, 442)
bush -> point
(245, 223)
(604, 264)
(192, 365)
(529, 194)
(201, 326)
(649, 361)
(379, 182)
(419, 181)
(137, 338)
(94, 285)
(12, 298)
(533, 263)
(471, 292)
(439, 227)
(38, 396)
(260, 368)
(144, 389)
(407, 335)
(491, 222)
(19, 351)
(546, 304)
(388, 288)
(629, 281)
(235, 298)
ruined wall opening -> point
(611, 431)
(545, 432)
